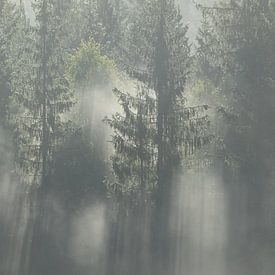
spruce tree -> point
(240, 36)
(43, 94)
(158, 57)
(102, 21)
(7, 28)
(134, 161)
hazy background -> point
(219, 217)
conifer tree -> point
(101, 20)
(160, 59)
(7, 27)
(235, 55)
(43, 92)
(240, 36)
(134, 162)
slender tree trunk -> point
(44, 143)
(160, 242)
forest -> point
(137, 137)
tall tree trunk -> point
(44, 143)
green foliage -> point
(8, 24)
(235, 55)
(135, 140)
(134, 135)
(100, 20)
(41, 91)
(162, 131)
(88, 67)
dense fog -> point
(137, 137)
